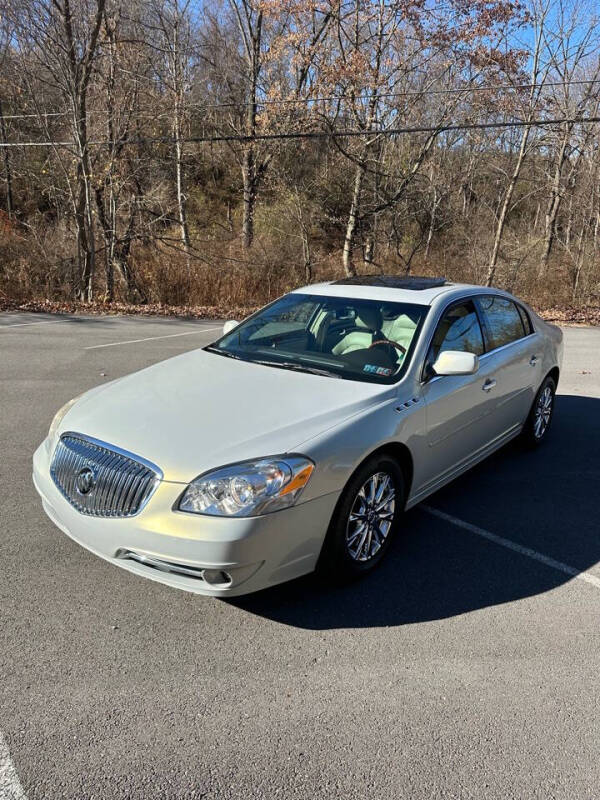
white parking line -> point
(10, 785)
(23, 324)
(151, 338)
(518, 548)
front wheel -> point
(365, 520)
(540, 416)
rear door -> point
(513, 356)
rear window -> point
(503, 321)
(528, 327)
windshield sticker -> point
(377, 370)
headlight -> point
(58, 417)
(249, 488)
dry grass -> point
(223, 281)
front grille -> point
(99, 480)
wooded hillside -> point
(220, 153)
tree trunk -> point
(308, 275)
(349, 267)
(179, 89)
(84, 219)
(110, 251)
(505, 207)
(7, 167)
(554, 204)
(536, 218)
(304, 234)
(578, 266)
(434, 208)
(252, 169)
(107, 235)
(569, 228)
(369, 248)
(250, 188)
(181, 198)
(79, 67)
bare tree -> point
(74, 65)
(64, 41)
(537, 77)
(174, 56)
(574, 46)
(6, 34)
(114, 186)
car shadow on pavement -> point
(545, 499)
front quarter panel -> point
(337, 453)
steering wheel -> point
(399, 347)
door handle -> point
(489, 384)
(533, 361)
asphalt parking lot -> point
(465, 667)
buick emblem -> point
(85, 480)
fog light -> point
(217, 577)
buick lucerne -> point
(296, 440)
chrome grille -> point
(100, 480)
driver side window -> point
(458, 329)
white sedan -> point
(296, 440)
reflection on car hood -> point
(201, 410)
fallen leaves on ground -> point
(569, 315)
(587, 315)
(149, 309)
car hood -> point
(201, 410)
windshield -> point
(365, 340)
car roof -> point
(390, 288)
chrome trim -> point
(453, 301)
(473, 296)
(173, 568)
(159, 564)
(504, 346)
(126, 453)
(122, 484)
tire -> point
(538, 422)
(343, 557)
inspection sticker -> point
(377, 370)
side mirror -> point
(230, 325)
(455, 362)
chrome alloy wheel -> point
(371, 517)
(543, 412)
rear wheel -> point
(540, 416)
(365, 520)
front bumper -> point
(254, 552)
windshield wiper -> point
(281, 364)
(226, 353)
(298, 368)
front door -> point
(458, 407)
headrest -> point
(369, 317)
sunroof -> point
(414, 282)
